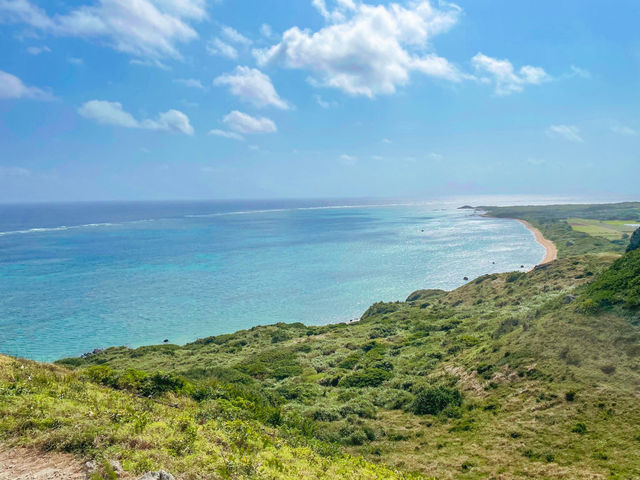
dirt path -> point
(25, 464)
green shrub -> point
(619, 284)
(160, 383)
(368, 377)
(433, 400)
(579, 428)
(360, 407)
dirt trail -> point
(25, 464)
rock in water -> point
(635, 241)
(161, 475)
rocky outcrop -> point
(634, 244)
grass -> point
(487, 380)
(514, 375)
(609, 229)
(219, 436)
(553, 222)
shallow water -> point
(84, 276)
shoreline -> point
(551, 251)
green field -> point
(609, 229)
(554, 223)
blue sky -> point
(195, 99)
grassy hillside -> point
(196, 432)
(515, 375)
(554, 222)
(508, 375)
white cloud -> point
(14, 172)
(190, 82)
(348, 159)
(112, 113)
(567, 132)
(324, 103)
(234, 36)
(143, 28)
(75, 61)
(242, 123)
(266, 30)
(578, 72)
(377, 157)
(11, 87)
(216, 46)
(170, 121)
(536, 161)
(367, 49)
(38, 50)
(229, 46)
(503, 75)
(435, 156)
(624, 130)
(386, 140)
(149, 62)
(108, 113)
(226, 134)
(252, 85)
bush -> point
(369, 377)
(160, 383)
(619, 284)
(359, 407)
(432, 401)
(579, 428)
(325, 415)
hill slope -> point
(506, 376)
(514, 375)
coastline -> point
(550, 247)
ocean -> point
(75, 277)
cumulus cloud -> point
(143, 28)
(11, 87)
(266, 30)
(190, 82)
(246, 124)
(348, 159)
(216, 46)
(14, 172)
(367, 49)
(252, 85)
(38, 50)
(624, 130)
(226, 134)
(112, 113)
(566, 132)
(325, 103)
(228, 45)
(234, 36)
(503, 75)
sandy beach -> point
(551, 250)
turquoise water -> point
(78, 277)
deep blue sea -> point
(75, 277)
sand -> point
(551, 250)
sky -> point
(212, 99)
